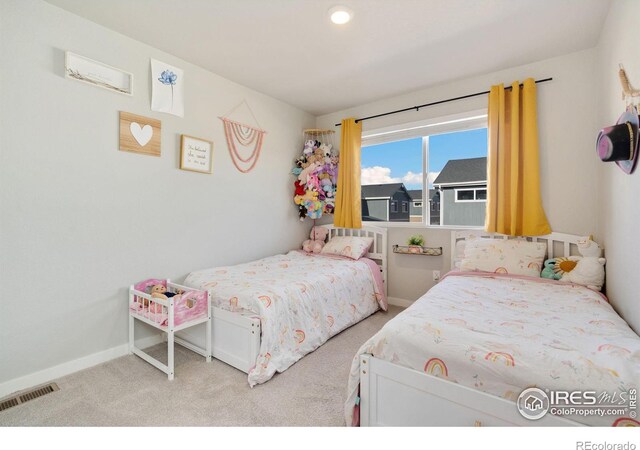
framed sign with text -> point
(196, 154)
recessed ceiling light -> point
(340, 15)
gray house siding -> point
(461, 213)
(375, 209)
(415, 210)
(401, 198)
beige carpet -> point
(128, 391)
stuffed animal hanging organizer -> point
(247, 136)
(316, 172)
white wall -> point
(81, 220)
(566, 121)
(618, 201)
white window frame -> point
(475, 195)
(466, 121)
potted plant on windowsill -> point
(416, 242)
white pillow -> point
(512, 256)
(350, 246)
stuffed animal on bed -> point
(316, 243)
(589, 269)
(548, 271)
(556, 268)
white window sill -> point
(420, 225)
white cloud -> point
(377, 175)
(412, 178)
(416, 178)
(382, 175)
(431, 176)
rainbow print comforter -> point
(302, 300)
(501, 334)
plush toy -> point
(299, 188)
(302, 211)
(328, 208)
(318, 235)
(589, 269)
(548, 271)
(313, 182)
(308, 147)
(304, 175)
(314, 208)
(326, 149)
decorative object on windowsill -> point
(245, 136)
(424, 251)
(139, 134)
(101, 75)
(167, 88)
(619, 142)
(416, 242)
(196, 154)
(316, 172)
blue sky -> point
(402, 160)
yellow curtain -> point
(348, 211)
(514, 204)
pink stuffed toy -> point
(315, 244)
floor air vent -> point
(28, 396)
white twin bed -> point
(269, 313)
(462, 353)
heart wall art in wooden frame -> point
(140, 134)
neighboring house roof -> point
(416, 194)
(380, 190)
(463, 171)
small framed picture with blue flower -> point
(167, 93)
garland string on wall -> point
(242, 135)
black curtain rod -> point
(417, 108)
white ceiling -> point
(289, 49)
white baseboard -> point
(52, 373)
(399, 302)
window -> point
(465, 195)
(442, 163)
(471, 195)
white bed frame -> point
(235, 336)
(392, 395)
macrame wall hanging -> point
(244, 141)
(316, 172)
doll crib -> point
(189, 307)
